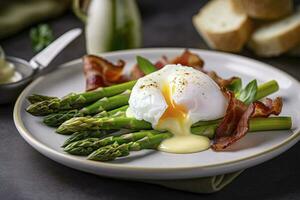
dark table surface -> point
(26, 174)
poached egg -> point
(173, 99)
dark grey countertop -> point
(26, 174)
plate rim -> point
(44, 149)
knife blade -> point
(43, 58)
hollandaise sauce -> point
(176, 120)
(8, 74)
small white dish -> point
(253, 149)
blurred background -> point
(162, 24)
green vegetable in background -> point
(110, 25)
(41, 36)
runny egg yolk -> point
(176, 120)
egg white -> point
(191, 88)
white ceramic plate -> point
(253, 149)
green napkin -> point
(16, 15)
(200, 185)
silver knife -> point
(43, 58)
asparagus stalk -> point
(44, 107)
(113, 113)
(205, 123)
(78, 146)
(115, 150)
(90, 123)
(266, 89)
(107, 103)
(56, 119)
(270, 123)
(255, 124)
(86, 134)
(78, 124)
(204, 130)
(86, 124)
(34, 98)
(87, 146)
(75, 101)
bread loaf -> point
(223, 26)
(277, 37)
(267, 9)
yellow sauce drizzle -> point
(176, 120)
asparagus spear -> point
(78, 124)
(111, 152)
(56, 119)
(255, 124)
(113, 113)
(44, 107)
(91, 123)
(91, 143)
(84, 124)
(266, 89)
(34, 98)
(204, 130)
(86, 134)
(87, 146)
(75, 101)
(115, 150)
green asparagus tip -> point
(44, 107)
(34, 98)
(110, 152)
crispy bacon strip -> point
(189, 59)
(235, 124)
(269, 107)
(223, 83)
(99, 72)
(162, 62)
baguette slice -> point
(267, 9)
(277, 37)
(222, 26)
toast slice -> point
(223, 26)
(277, 37)
(267, 9)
